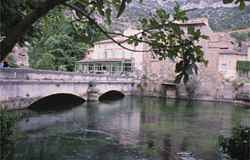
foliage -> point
(241, 36)
(224, 18)
(242, 3)
(57, 46)
(7, 9)
(7, 122)
(46, 62)
(243, 66)
(12, 12)
(237, 146)
(12, 61)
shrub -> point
(237, 146)
(7, 123)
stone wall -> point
(209, 84)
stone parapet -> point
(31, 74)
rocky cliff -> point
(221, 16)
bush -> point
(237, 146)
(241, 36)
(7, 123)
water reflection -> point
(149, 128)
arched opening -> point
(57, 102)
(111, 95)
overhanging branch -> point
(107, 34)
(19, 30)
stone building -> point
(108, 57)
(214, 81)
(229, 54)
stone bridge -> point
(19, 88)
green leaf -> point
(100, 7)
(190, 29)
(179, 66)
(242, 5)
(161, 13)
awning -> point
(103, 60)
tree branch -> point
(22, 27)
(107, 34)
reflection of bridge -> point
(19, 88)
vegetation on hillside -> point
(221, 19)
(241, 36)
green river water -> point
(132, 128)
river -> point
(133, 128)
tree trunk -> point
(22, 27)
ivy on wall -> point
(243, 66)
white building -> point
(107, 57)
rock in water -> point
(185, 156)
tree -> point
(28, 12)
(7, 125)
(58, 44)
(174, 46)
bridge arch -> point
(57, 101)
(111, 95)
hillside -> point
(221, 17)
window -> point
(127, 67)
(98, 67)
(104, 68)
(243, 69)
(91, 68)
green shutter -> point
(243, 66)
